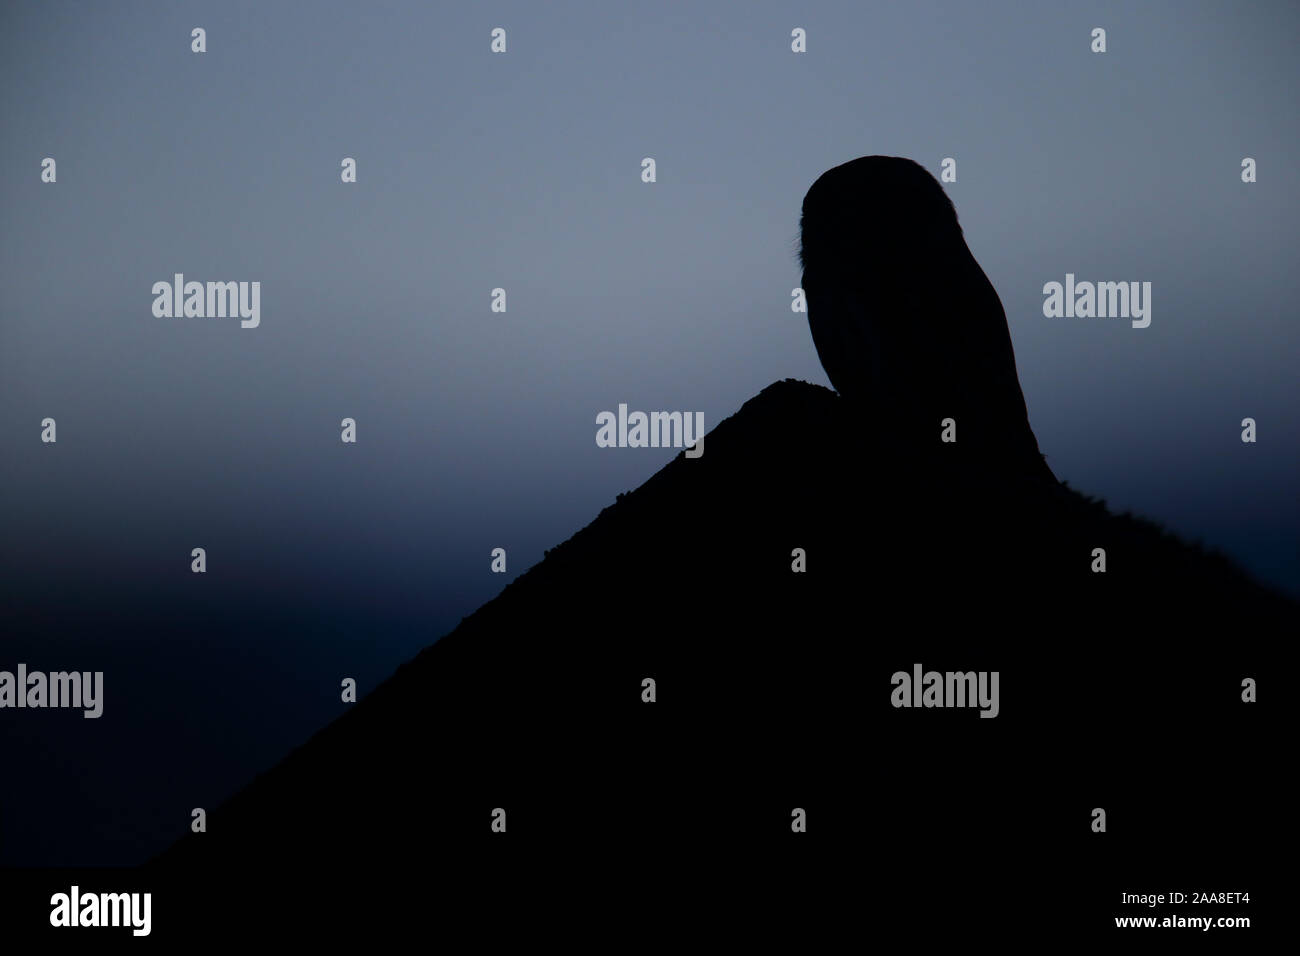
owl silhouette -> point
(904, 320)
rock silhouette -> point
(905, 321)
(773, 693)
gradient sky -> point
(476, 429)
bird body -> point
(904, 320)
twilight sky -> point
(476, 429)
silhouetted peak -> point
(696, 579)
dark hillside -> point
(773, 692)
